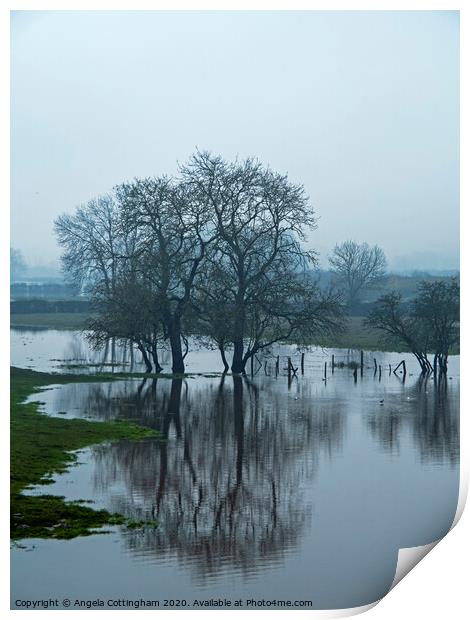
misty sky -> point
(361, 107)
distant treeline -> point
(407, 285)
(44, 306)
(34, 290)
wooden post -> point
(289, 381)
(355, 375)
(402, 363)
(362, 363)
(251, 364)
(302, 363)
(397, 367)
(389, 369)
(375, 365)
(289, 368)
(277, 365)
(325, 370)
(332, 364)
(380, 372)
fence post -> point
(302, 363)
(362, 363)
(332, 364)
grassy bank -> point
(50, 320)
(40, 447)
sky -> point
(360, 107)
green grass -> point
(51, 320)
(41, 446)
(357, 336)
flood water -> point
(262, 489)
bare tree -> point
(400, 327)
(285, 306)
(223, 241)
(437, 307)
(173, 233)
(90, 241)
(128, 313)
(260, 220)
(428, 324)
(357, 267)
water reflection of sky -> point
(260, 489)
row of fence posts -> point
(292, 370)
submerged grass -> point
(41, 446)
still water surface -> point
(262, 490)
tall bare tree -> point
(357, 267)
(173, 232)
(260, 219)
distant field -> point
(52, 320)
(356, 336)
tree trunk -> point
(158, 368)
(238, 363)
(174, 333)
(113, 352)
(224, 359)
(238, 425)
(145, 357)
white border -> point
(439, 587)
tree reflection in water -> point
(227, 484)
(231, 484)
(428, 413)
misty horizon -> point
(360, 107)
